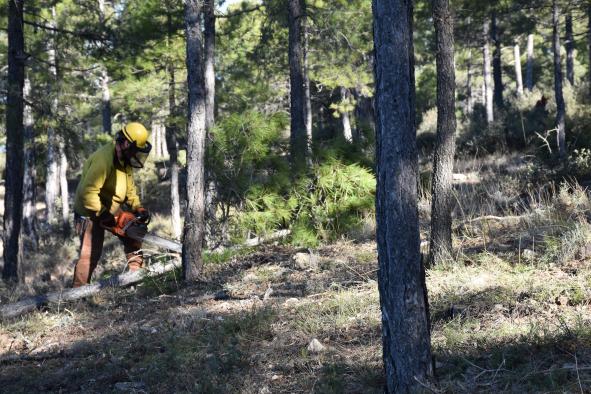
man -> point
(107, 183)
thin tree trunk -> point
(193, 230)
(488, 97)
(359, 117)
(518, 75)
(443, 162)
(63, 177)
(104, 82)
(469, 94)
(570, 49)
(210, 188)
(405, 327)
(52, 182)
(497, 70)
(175, 206)
(299, 137)
(529, 73)
(307, 96)
(164, 140)
(29, 227)
(560, 106)
(209, 42)
(13, 195)
(106, 101)
(345, 118)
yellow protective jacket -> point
(105, 184)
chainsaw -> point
(135, 226)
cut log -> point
(126, 279)
(261, 240)
(129, 278)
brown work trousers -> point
(92, 236)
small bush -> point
(332, 203)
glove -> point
(107, 220)
(143, 215)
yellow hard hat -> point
(136, 132)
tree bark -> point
(442, 188)
(570, 49)
(193, 229)
(529, 72)
(52, 181)
(299, 136)
(518, 75)
(497, 70)
(171, 136)
(488, 97)
(29, 226)
(560, 105)
(405, 329)
(13, 197)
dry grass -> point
(510, 313)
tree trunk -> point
(497, 70)
(518, 75)
(52, 181)
(299, 136)
(106, 101)
(560, 106)
(171, 136)
(193, 230)
(29, 227)
(529, 73)
(210, 188)
(405, 328)
(359, 117)
(209, 42)
(488, 97)
(570, 49)
(104, 82)
(469, 94)
(442, 188)
(13, 181)
(63, 177)
(307, 96)
(163, 140)
(345, 118)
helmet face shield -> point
(135, 156)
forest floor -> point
(510, 312)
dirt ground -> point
(496, 327)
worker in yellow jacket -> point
(107, 183)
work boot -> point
(135, 261)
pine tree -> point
(13, 197)
(405, 327)
(193, 230)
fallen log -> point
(30, 303)
(129, 278)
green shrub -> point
(331, 203)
